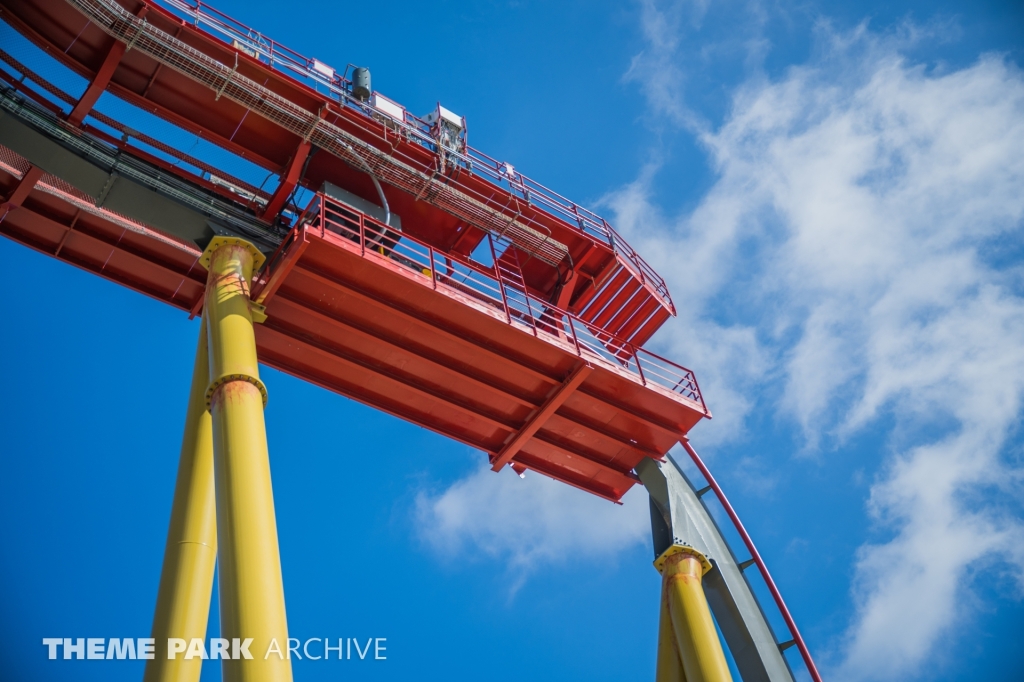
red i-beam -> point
(288, 181)
(98, 84)
(102, 78)
(534, 423)
(25, 186)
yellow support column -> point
(190, 557)
(696, 638)
(251, 588)
(669, 667)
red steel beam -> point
(25, 185)
(666, 428)
(534, 423)
(268, 338)
(318, 348)
(289, 179)
(630, 317)
(622, 298)
(128, 132)
(348, 327)
(515, 364)
(288, 365)
(71, 228)
(101, 79)
(19, 85)
(264, 291)
(19, 233)
(138, 100)
(540, 467)
(565, 295)
(641, 336)
(388, 375)
(98, 85)
(596, 283)
(607, 292)
(519, 365)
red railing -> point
(483, 286)
(322, 77)
(798, 640)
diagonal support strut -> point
(25, 186)
(102, 78)
(534, 423)
(289, 179)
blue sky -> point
(832, 191)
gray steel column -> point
(679, 517)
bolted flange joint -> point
(705, 564)
(227, 379)
(258, 259)
(231, 312)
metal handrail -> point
(485, 284)
(498, 173)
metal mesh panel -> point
(13, 163)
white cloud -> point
(840, 270)
(872, 190)
(656, 67)
(529, 521)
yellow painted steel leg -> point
(698, 644)
(251, 588)
(190, 557)
(669, 667)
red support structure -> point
(98, 84)
(477, 350)
(537, 368)
(21, 192)
(756, 556)
(101, 79)
(267, 99)
(289, 179)
(280, 265)
(565, 294)
(541, 416)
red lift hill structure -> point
(389, 261)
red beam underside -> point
(99, 83)
(540, 417)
